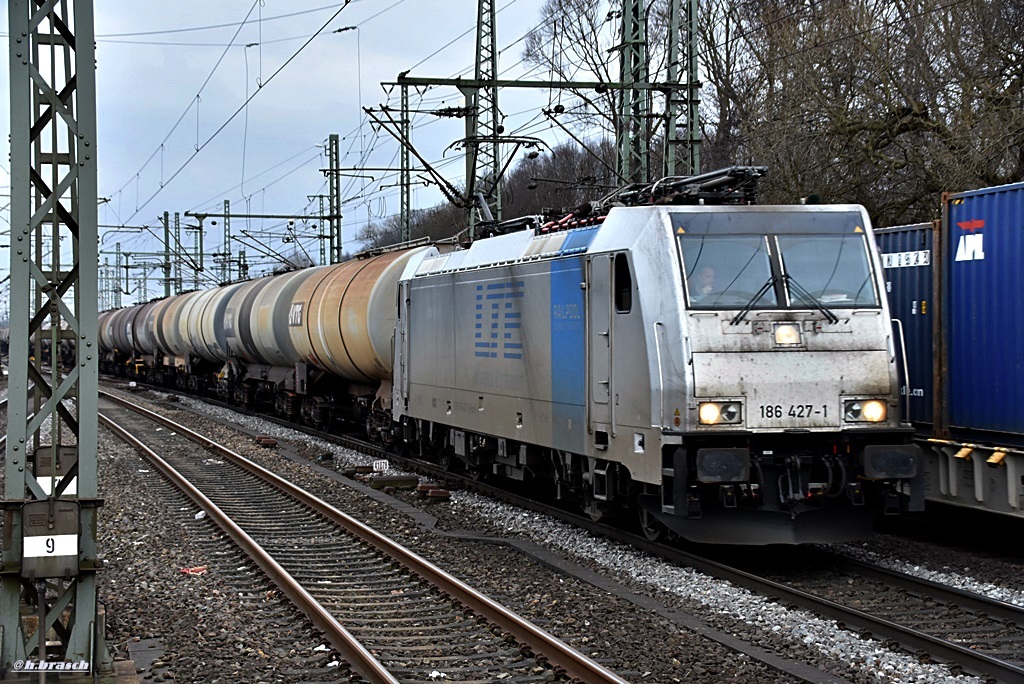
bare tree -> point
(882, 102)
(573, 43)
(886, 103)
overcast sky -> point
(152, 64)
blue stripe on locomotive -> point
(568, 360)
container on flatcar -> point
(973, 424)
(906, 253)
(981, 357)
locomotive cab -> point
(791, 431)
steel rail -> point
(978, 603)
(558, 654)
(910, 639)
(358, 658)
(858, 621)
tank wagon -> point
(955, 287)
(602, 363)
(313, 344)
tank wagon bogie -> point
(726, 373)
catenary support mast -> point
(483, 141)
(683, 103)
(631, 133)
(50, 471)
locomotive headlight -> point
(786, 334)
(864, 411)
(874, 411)
(710, 413)
(720, 412)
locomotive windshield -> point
(725, 271)
(731, 270)
(832, 268)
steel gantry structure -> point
(48, 607)
(483, 154)
(683, 103)
(484, 133)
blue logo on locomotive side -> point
(498, 321)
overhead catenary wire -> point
(194, 101)
(199, 148)
(377, 188)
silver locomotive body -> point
(756, 406)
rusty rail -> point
(358, 658)
(558, 653)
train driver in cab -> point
(702, 285)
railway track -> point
(937, 623)
(983, 635)
(968, 631)
(392, 615)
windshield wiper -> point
(796, 287)
(815, 302)
(754, 300)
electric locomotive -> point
(759, 408)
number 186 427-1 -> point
(793, 410)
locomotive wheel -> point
(649, 525)
(447, 460)
(368, 426)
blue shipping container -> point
(907, 259)
(982, 358)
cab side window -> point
(623, 285)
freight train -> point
(724, 372)
(955, 285)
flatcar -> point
(955, 287)
(726, 373)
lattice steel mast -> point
(50, 486)
(483, 154)
(683, 104)
(631, 135)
